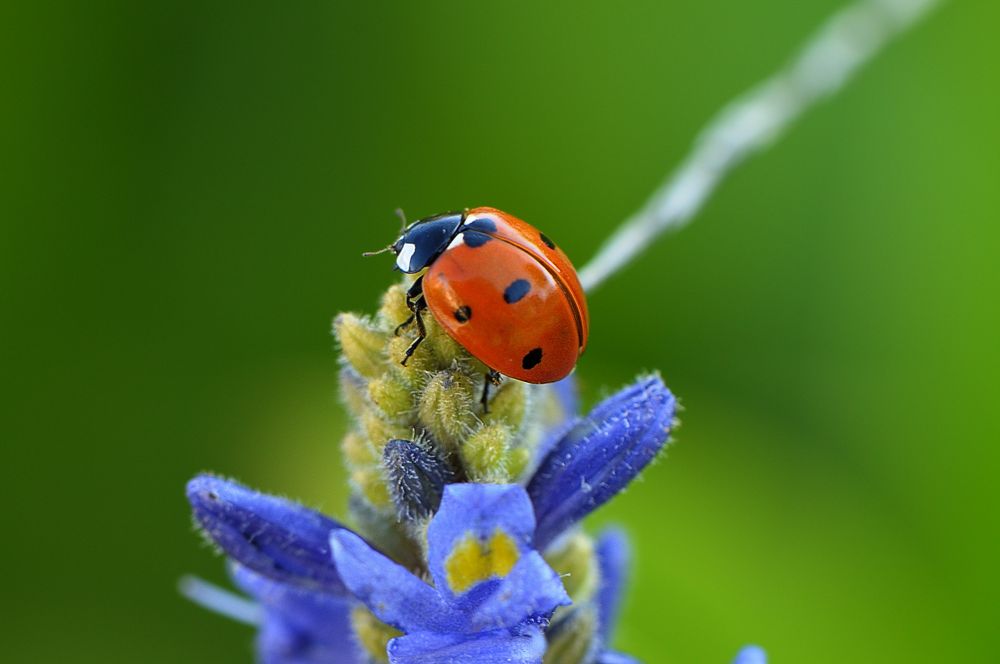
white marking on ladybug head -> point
(458, 241)
(404, 256)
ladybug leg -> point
(406, 323)
(414, 296)
(418, 308)
(491, 378)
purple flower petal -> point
(300, 626)
(531, 591)
(272, 536)
(609, 657)
(613, 558)
(751, 655)
(389, 590)
(600, 455)
(480, 512)
(523, 646)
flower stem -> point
(754, 121)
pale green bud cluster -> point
(435, 402)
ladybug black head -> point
(425, 240)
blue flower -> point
(751, 655)
(300, 626)
(493, 594)
(281, 557)
(488, 595)
(612, 552)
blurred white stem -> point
(753, 122)
(221, 601)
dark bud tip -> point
(416, 478)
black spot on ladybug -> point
(483, 225)
(531, 360)
(517, 290)
(475, 239)
(545, 239)
(463, 314)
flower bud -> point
(358, 452)
(485, 454)
(392, 395)
(598, 456)
(379, 431)
(361, 343)
(572, 640)
(370, 484)
(416, 478)
(353, 390)
(508, 404)
(445, 350)
(393, 309)
(419, 363)
(272, 536)
(576, 563)
(446, 407)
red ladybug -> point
(500, 288)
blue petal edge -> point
(277, 538)
(389, 590)
(525, 646)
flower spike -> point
(466, 546)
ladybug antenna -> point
(402, 228)
(376, 253)
(402, 220)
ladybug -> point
(500, 288)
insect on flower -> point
(500, 288)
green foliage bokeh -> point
(186, 190)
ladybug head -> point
(424, 240)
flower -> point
(585, 631)
(492, 593)
(300, 626)
(465, 542)
(293, 559)
(751, 655)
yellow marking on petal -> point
(472, 560)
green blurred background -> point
(186, 190)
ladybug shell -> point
(510, 297)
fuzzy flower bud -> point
(446, 407)
(361, 343)
(416, 478)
